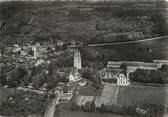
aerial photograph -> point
(83, 58)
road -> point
(127, 42)
(50, 110)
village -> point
(83, 58)
(29, 56)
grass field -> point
(139, 95)
(64, 110)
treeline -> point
(150, 76)
(147, 110)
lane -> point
(127, 42)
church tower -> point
(77, 59)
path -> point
(127, 42)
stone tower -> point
(77, 59)
(35, 52)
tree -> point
(51, 68)
(124, 66)
(15, 77)
(86, 73)
(164, 68)
(100, 66)
(86, 107)
(39, 79)
(103, 108)
(74, 106)
(92, 106)
(65, 89)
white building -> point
(159, 63)
(132, 66)
(34, 52)
(77, 59)
(122, 80)
(114, 64)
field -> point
(64, 110)
(139, 95)
(134, 95)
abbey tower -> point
(77, 59)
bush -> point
(92, 106)
(164, 68)
(74, 106)
(103, 108)
(86, 107)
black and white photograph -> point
(83, 58)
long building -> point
(132, 66)
(159, 63)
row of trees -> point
(150, 76)
(149, 110)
